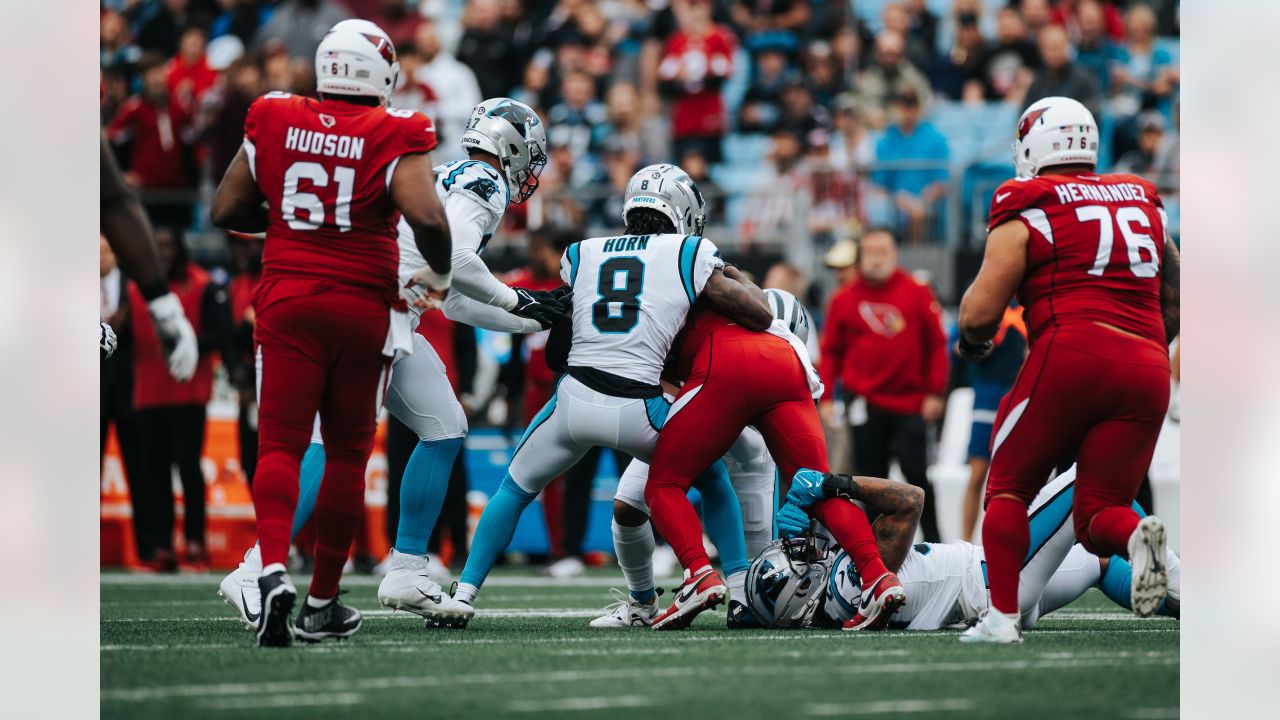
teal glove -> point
(806, 488)
(792, 521)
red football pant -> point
(318, 353)
(1083, 390)
(756, 380)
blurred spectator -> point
(1168, 164)
(1095, 50)
(299, 25)
(1067, 14)
(223, 112)
(399, 21)
(920, 153)
(801, 116)
(246, 258)
(770, 23)
(1143, 75)
(116, 48)
(831, 191)
(761, 107)
(158, 136)
(535, 82)
(621, 160)
(561, 177)
(695, 163)
(889, 75)
(579, 120)
(628, 119)
(852, 149)
(696, 61)
(411, 93)
(241, 19)
(1059, 76)
(951, 72)
(455, 86)
(115, 91)
(171, 415)
(115, 399)
(822, 73)
(1036, 15)
(917, 26)
(189, 72)
(489, 48)
(1006, 70)
(159, 22)
(1141, 160)
(884, 347)
(842, 259)
(846, 50)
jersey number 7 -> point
(625, 293)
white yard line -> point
(888, 707)
(264, 702)
(581, 703)
(1156, 713)
(212, 580)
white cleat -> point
(408, 586)
(1147, 556)
(565, 568)
(627, 612)
(240, 588)
(994, 627)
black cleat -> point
(334, 620)
(275, 628)
(740, 617)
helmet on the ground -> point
(843, 590)
(511, 131)
(1054, 131)
(357, 58)
(788, 309)
(669, 190)
(785, 582)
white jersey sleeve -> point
(630, 298)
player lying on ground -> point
(946, 583)
(718, 361)
(630, 297)
(506, 143)
(752, 476)
(1088, 257)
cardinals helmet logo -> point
(1028, 121)
(384, 46)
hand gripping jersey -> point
(325, 168)
(630, 297)
(1094, 253)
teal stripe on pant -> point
(496, 528)
(310, 473)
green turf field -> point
(171, 649)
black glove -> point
(564, 294)
(538, 305)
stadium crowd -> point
(803, 121)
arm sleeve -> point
(559, 342)
(699, 257)
(936, 353)
(460, 308)
(468, 220)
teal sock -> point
(722, 516)
(494, 531)
(1117, 582)
(422, 491)
(644, 596)
(310, 474)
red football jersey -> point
(1094, 252)
(325, 168)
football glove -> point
(792, 521)
(806, 488)
(973, 351)
(176, 336)
(107, 341)
(538, 305)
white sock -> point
(737, 583)
(274, 568)
(466, 593)
(634, 547)
(317, 602)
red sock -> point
(339, 508)
(848, 523)
(1109, 531)
(672, 514)
(275, 496)
(1006, 535)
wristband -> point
(840, 486)
(438, 281)
(157, 289)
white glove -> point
(176, 336)
(421, 283)
(107, 341)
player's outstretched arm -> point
(1171, 290)
(413, 194)
(124, 223)
(238, 203)
(738, 299)
(899, 505)
(1003, 268)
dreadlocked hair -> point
(647, 221)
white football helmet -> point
(786, 581)
(511, 131)
(843, 591)
(788, 309)
(669, 190)
(357, 58)
(1054, 131)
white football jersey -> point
(630, 297)
(475, 198)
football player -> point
(631, 294)
(1088, 257)
(506, 144)
(325, 178)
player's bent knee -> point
(627, 515)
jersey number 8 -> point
(628, 295)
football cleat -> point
(239, 589)
(740, 617)
(334, 620)
(880, 600)
(407, 586)
(995, 628)
(1146, 555)
(275, 626)
(627, 612)
(697, 593)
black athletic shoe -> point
(275, 628)
(334, 620)
(740, 617)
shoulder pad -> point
(1011, 198)
(476, 180)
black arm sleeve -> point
(558, 344)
